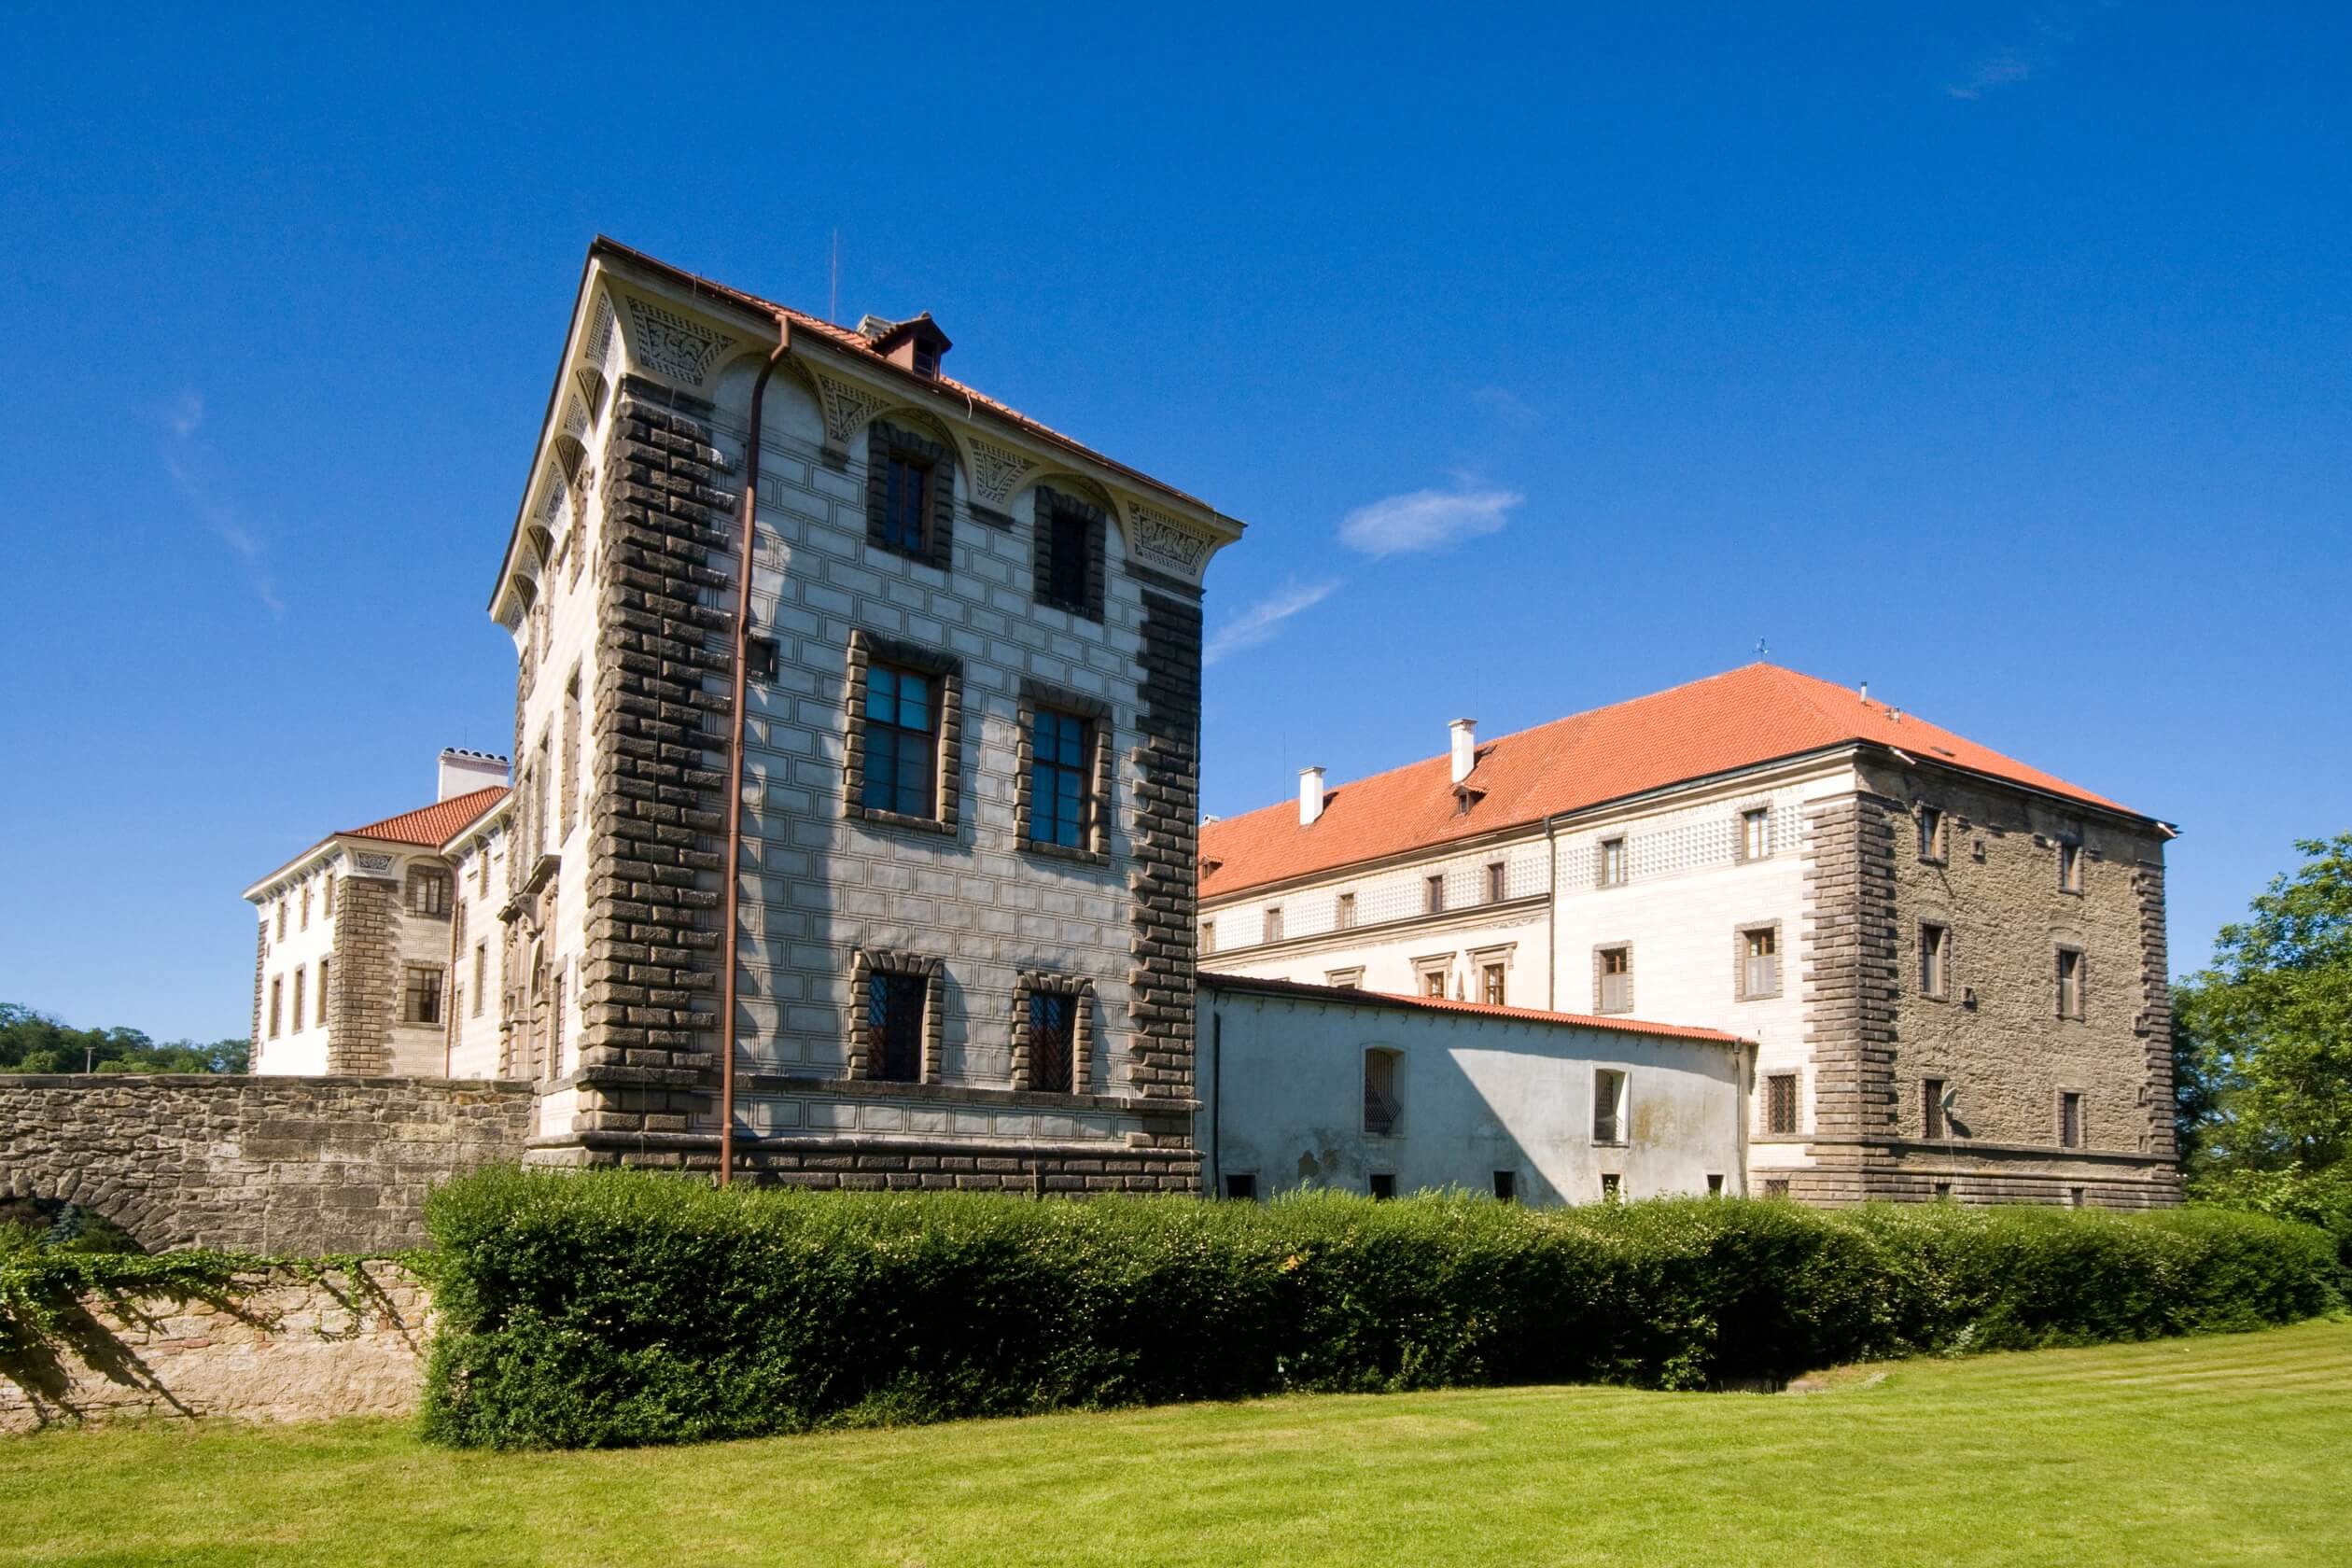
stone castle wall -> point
(283, 1167)
(274, 1346)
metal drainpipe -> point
(1551, 920)
(728, 906)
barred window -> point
(894, 1021)
(1051, 1015)
(1060, 749)
(1780, 1104)
(902, 742)
(1382, 1109)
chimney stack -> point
(1465, 747)
(1310, 796)
(461, 773)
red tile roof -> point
(1743, 716)
(432, 826)
(1308, 991)
(858, 344)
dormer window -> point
(914, 344)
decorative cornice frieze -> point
(676, 347)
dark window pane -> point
(1057, 779)
(905, 486)
(900, 756)
(894, 1021)
(1051, 1056)
(1066, 581)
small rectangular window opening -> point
(1612, 1186)
(1434, 984)
(2069, 982)
(1780, 1104)
(1497, 880)
(1382, 1107)
(1931, 833)
(1274, 923)
(1933, 1123)
(1776, 1186)
(1756, 834)
(1935, 943)
(894, 1023)
(1715, 1184)
(1067, 560)
(322, 989)
(905, 502)
(1760, 974)
(1241, 1188)
(2075, 1197)
(1434, 895)
(1507, 1185)
(1345, 918)
(1608, 1105)
(2070, 867)
(2069, 1119)
(1616, 979)
(1612, 862)
(1383, 1185)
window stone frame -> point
(867, 962)
(884, 441)
(1740, 855)
(866, 649)
(1047, 503)
(1601, 861)
(1740, 934)
(1081, 990)
(1095, 848)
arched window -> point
(1383, 1102)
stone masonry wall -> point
(1848, 974)
(283, 1167)
(366, 992)
(276, 1346)
(1995, 1038)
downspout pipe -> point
(1551, 916)
(729, 904)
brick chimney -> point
(1310, 796)
(1465, 747)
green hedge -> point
(612, 1307)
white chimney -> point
(1465, 747)
(464, 771)
(1310, 796)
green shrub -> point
(614, 1307)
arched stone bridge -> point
(286, 1166)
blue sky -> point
(1995, 355)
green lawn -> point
(2234, 1449)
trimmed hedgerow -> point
(614, 1307)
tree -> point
(32, 1042)
(2262, 1051)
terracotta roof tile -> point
(433, 825)
(1741, 718)
(1308, 991)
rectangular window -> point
(1060, 748)
(1208, 936)
(905, 503)
(1932, 1121)
(330, 910)
(429, 892)
(902, 742)
(305, 917)
(1760, 963)
(278, 997)
(1497, 880)
(1346, 979)
(484, 877)
(1715, 1184)
(1051, 1020)
(1383, 1185)
(2075, 1197)
(762, 658)
(1344, 916)
(300, 975)
(1434, 982)
(1614, 992)
(1382, 1107)
(1756, 834)
(1931, 833)
(1611, 858)
(1780, 1104)
(1434, 895)
(322, 989)
(1612, 1186)
(894, 1026)
(2069, 868)
(1943, 1192)
(1241, 1189)
(2069, 1121)
(1491, 984)
(480, 975)
(1935, 958)
(1273, 923)
(2069, 982)
(1070, 560)
(281, 919)
(420, 998)
(1776, 1186)
(1608, 1105)
(1507, 1185)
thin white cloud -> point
(2005, 69)
(189, 460)
(1507, 407)
(1427, 520)
(1264, 618)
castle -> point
(874, 858)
